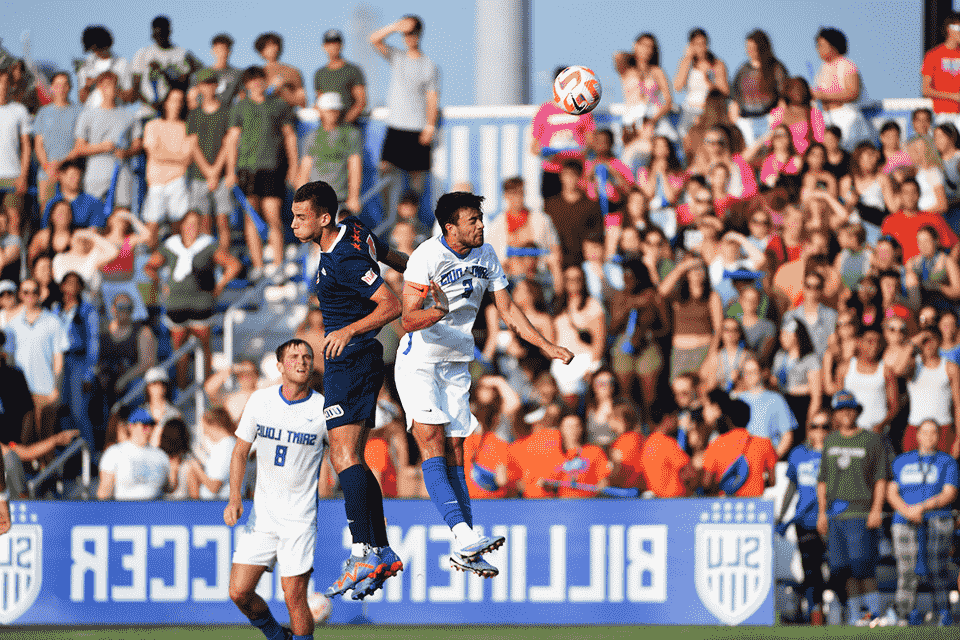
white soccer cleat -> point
(477, 565)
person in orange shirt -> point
(537, 451)
(582, 464)
(490, 469)
(666, 470)
(377, 455)
(731, 418)
(625, 452)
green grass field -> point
(477, 632)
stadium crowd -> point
(757, 276)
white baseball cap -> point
(330, 100)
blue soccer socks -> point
(269, 626)
(441, 492)
(458, 481)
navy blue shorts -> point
(852, 546)
(351, 384)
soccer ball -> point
(577, 90)
(320, 607)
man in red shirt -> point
(732, 417)
(941, 73)
(904, 224)
(665, 469)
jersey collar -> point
(343, 231)
(443, 241)
(293, 402)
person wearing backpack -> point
(736, 463)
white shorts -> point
(436, 393)
(164, 201)
(294, 556)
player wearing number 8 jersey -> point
(286, 423)
(445, 280)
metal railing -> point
(56, 467)
(191, 344)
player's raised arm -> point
(238, 468)
(520, 325)
(415, 316)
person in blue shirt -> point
(356, 303)
(803, 467)
(87, 210)
(770, 415)
(922, 491)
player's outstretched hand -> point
(334, 343)
(556, 352)
(232, 513)
(440, 300)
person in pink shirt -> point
(558, 136)
(804, 120)
(837, 87)
(608, 170)
(782, 160)
(904, 224)
(741, 182)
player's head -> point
(295, 361)
(461, 218)
(314, 207)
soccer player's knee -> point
(240, 595)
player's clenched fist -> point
(556, 352)
(232, 513)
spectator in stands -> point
(721, 368)
(413, 104)
(333, 152)
(56, 237)
(97, 44)
(518, 226)
(803, 467)
(851, 488)
(602, 392)
(158, 394)
(10, 245)
(796, 368)
(173, 439)
(904, 224)
(715, 114)
(758, 86)
(578, 322)
(342, 77)
(87, 254)
(666, 470)
(699, 72)
(266, 158)
(211, 480)
(948, 330)
(582, 463)
(838, 158)
(125, 232)
(490, 469)
(646, 88)
(14, 456)
(853, 261)
(923, 487)
(170, 151)
(127, 351)
(15, 130)
(40, 342)
(946, 139)
(41, 270)
(407, 211)
(697, 314)
(107, 138)
(842, 347)
(53, 132)
(940, 80)
(158, 67)
(731, 418)
(837, 87)
(929, 176)
(559, 137)
(815, 177)
(226, 77)
(662, 179)
(896, 160)
(574, 215)
(934, 389)
(931, 277)
(778, 159)
(85, 210)
(803, 119)
(133, 469)
(208, 124)
(82, 325)
(388, 429)
(715, 152)
(282, 79)
(16, 403)
(866, 189)
(626, 452)
(819, 319)
(193, 286)
(245, 371)
(770, 415)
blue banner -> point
(565, 562)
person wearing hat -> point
(332, 153)
(134, 469)
(851, 489)
(158, 403)
(208, 123)
(342, 77)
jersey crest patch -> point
(335, 411)
(369, 277)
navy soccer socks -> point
(356, 501)
(269, 626)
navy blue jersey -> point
(348, 276)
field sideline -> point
(476, 632)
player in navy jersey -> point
(356, 303)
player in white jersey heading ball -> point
(286, 422)
(445, 280)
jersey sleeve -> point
(418, 271)
(247, 428)
(381, 248)
(359, 273)
(495, 274)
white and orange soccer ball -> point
(576, 90)
(320, 607)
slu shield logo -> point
(21, 570)
(733, 569)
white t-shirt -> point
(170, 59)
(94, 66)
(140, 473)
(217, 467)
(36, 345)
(14, 122)
(464, 280)
(290, 439)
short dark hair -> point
(252, 73)
(74, 163)
(835, 130)
(890, 124)
(512, 184)
(450, 203)
(161, 22)
(925, 110)
(289, 344)
(266, 38)
(950, 130)
(410, 197)
(74, 274)
(574, 165)
(222, 38)
(953, 18)
(418, 23)
(96, 36)
(606, 132)
(835, 38)
(321, 197)
(933, 232)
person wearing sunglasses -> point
(803, 466)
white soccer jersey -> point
(464, 280)
(290, 438)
